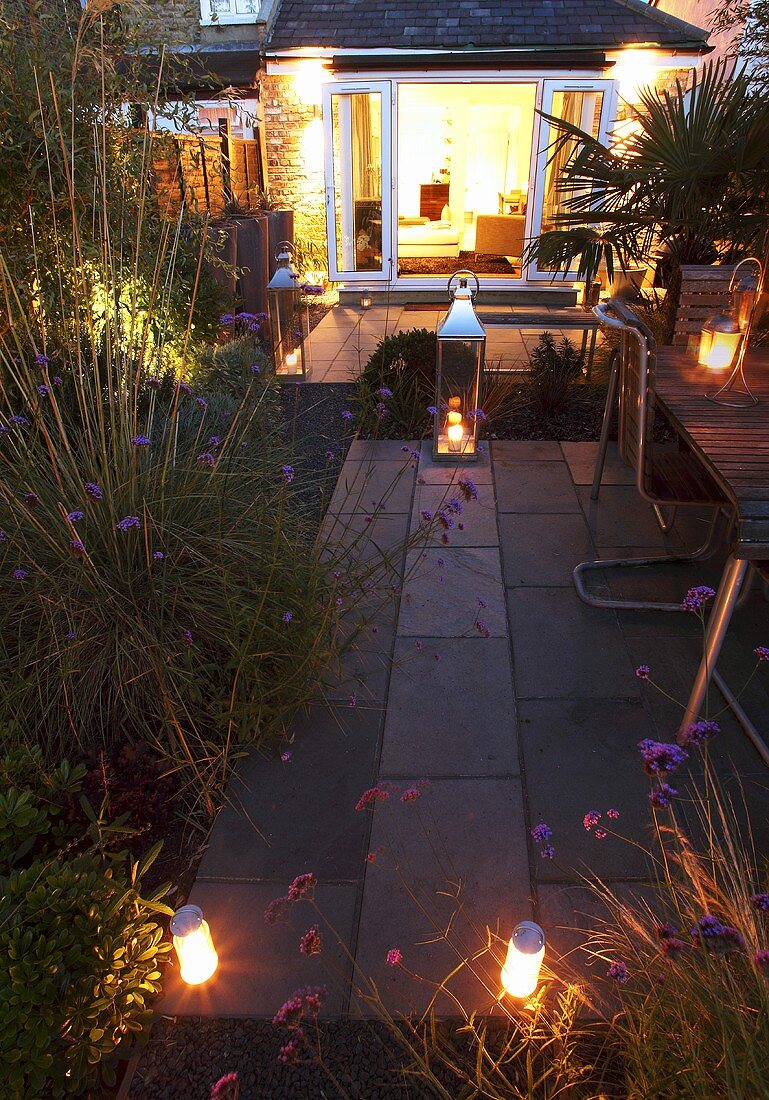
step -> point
(518, 296)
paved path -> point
(538, 721)
(340, 346)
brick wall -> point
(176, 23)
(189, 169)
(293, 179)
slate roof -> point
(479, 24)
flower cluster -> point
(700, 732)
(226, 1088)
(311, 942)
(661, 795)
(301, 889)
(618, 972)
(760, 902)
(369, 797)
(394, 956)
(591, 819)
(129, 523)
(467, 488)
(660, 758)
(720, 938)
(245, 322)
(306, 1002)
(696, 598)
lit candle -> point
(525, 953)
(292, 359)
(198, 959)
(455, 429)
(365, 301)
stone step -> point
(517, 296)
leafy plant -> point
(82, 946)
(402, 365)
(693, 175)
(554, 370)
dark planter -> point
(243, 242)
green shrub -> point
(404, 365)
(81, 946)
(554, 370)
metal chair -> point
(666, 479)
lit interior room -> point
(464, 155)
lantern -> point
(719, 340)
(194, 947)
(365, 301)
(289, 320)
(461, 349)
(525, 953)
(725, 336)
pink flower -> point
(285, 756)
(600, 834)
(591, 819)
(277, 909)
(394, 956)
(311, 942)
(290, 1012)
(226, 1088)
(302, 887)
(411, 795)
(370, 796)
(613, 814)
(289, 1052)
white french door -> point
(357, 120)
(588, 104)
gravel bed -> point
(350, 1059)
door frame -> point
(541, 156)
(350, 87)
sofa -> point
(422, 237)
(500, 235)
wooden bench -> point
(704, 289)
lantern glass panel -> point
(288, 329)
(459, 369)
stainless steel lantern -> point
(289, 318)
(725, 336)
(461, 351)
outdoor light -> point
(461, 349)
(726, 334)
(365, 301)
(289, 320)
(719, 340)
(195, 948)
(525, 953)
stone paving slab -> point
(597, 767)
(443, 473)
(470, 831)
(260, 965)
(620, 518)
(536, 487)
(542, 550)
(475, 526)
(441, 601)
(362, 485)
(265, 831)
(581, 459)
(454, 716)
(507, 452)
(563, 649)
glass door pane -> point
(358, 181)
(586, 105)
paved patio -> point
(538, 721)
(341, 344)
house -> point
(412, 137)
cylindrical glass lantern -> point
(289, 321)
(198, 959)
(719, 341)
(525, 953)
(461, 352)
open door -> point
(357, 124)
(588, 104)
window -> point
(229, 11)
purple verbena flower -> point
(548, 852)
(660, 796)
(426, 515)
(44, 391)
(660, 757)
(346, 415)
(158, 555)
(720, 938)
(42, 360)
(696, 598)
(762, 652)
(394, 956)
(468, 489)
(761, 959)
(288, 473)
(93, 490)
(311, 942)
(20, 420)
(760, 902)
(618, 972)
(187, 637)
(287, 616)
(700, 732)
(411, 795)
(591, 819)
(255, 368)
(541, 832)
(226, 1088)
(128, 523)
(482, 629)
(77, 546)
(20, 574)
(290, 1013)
(201, 403)
(75, 517)
(214, 441)
(383, 391)
(613, 814)
(643, 672)
(329, 456)
(57, 380)
(207, 459)
(303, 887)
(432, 410)
(369, 797)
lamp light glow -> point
(719, 341)
(525, 953)
(291, 360)
(365, 301)
(194, 946)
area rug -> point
(447, 265)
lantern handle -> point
(284, 246)
(748, 260)
(465, 271)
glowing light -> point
(633, 71)
(455, 429)
(308, 82)
(525, 953)
(292, 360)
(194, 946)
(719, 341)
(312, 145)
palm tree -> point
(693, 174)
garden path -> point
(340, 345)
(532, 716)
